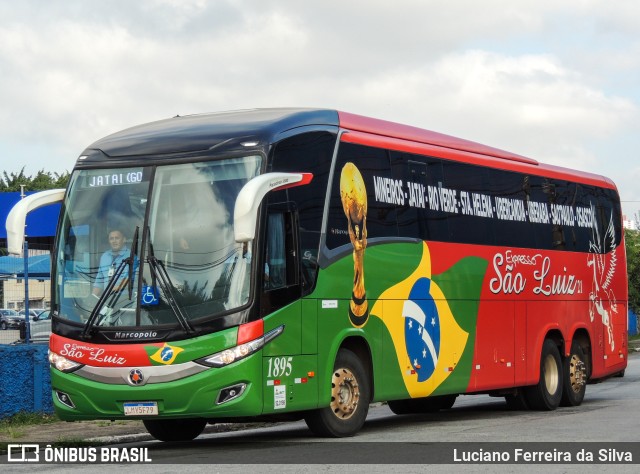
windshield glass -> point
(191, 266)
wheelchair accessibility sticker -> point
(150, 296)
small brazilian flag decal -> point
(166, 354)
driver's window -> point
(280, 268)
(275, 267)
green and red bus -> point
(303, 263)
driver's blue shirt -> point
(109, 262)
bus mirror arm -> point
(245, 212)
(17, 217)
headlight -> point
(229, 356)
(62, 363)
(234, 354)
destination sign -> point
(104, 178)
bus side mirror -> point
(245, 212)
(17, 217)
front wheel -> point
(350, 396)
(175, 430)
(575, 377)
(546, 394)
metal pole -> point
(27, 323)
(25, 251)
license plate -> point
(140, 408)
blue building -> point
(40, 231)
(41, 223)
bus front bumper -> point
(229, 391)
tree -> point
(632, 239)
(10, 182)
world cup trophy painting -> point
(354, 203)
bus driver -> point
(111, 260)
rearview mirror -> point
(245, 212)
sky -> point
(557, 81)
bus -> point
(282, 264)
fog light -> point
(64, 399)
(230, 393)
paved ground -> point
(102, 432)
(75, 431)
(112, 431)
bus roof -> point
(405, 132)
(511, 161)
(193, 133)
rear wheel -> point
(575, 377)
(350, 395)
(175, 430)
(422, 405)
(546, 394)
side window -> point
(560, 197)
(510, 193)
(279, 264)
(608, 220)
(472, 219)
(279, 267)
(423, 216)
(366, 209)
(310, 153)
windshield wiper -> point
(129, 261)
(159, 274)
(103, 297)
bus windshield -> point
(152, 246)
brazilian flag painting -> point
(431, 322)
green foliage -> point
(632, 239)
(27, 418)
(10, 182)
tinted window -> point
(367, 174)
(444, 200)
(310, 153)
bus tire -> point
(175, 430)
(575, 374)
(422, 405)
(517, 401)
(546, 394)
(350, 396)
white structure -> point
(629, 223)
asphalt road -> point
(413, 443)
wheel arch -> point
(555, 335)
(360, 347)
